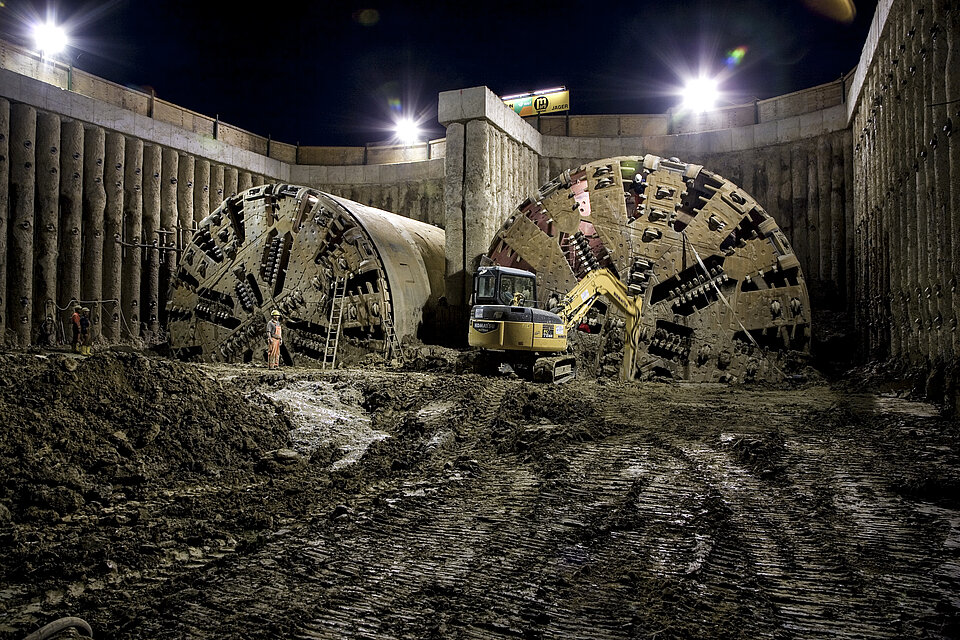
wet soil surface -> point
(158, 499)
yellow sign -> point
(539, 103)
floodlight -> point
(700, 94)
(50, 39)
(407, 131)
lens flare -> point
(735, 56)
(367, 17)
(394, 105)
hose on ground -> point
(55, 627)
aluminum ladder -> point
(333, 328)
(392, 342)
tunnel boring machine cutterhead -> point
(724, 297)
(332, 267)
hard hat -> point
(275, 312)
(78, 308)
(85, 309)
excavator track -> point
(555, 369)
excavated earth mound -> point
(157, 499)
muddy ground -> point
(158, 499)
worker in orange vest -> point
(75, 325)
(274, 340)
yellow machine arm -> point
(601, 282)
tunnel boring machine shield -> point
(333, 267)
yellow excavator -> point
(505, 321)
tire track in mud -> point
(645, 513)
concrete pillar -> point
(48, 196)
(258, 180)
(113, 175)
(201, 189)
(951, 33)
(825, 224)
(230, 178)
(244, 181)
(801, 229)
(478, 199)
(922, 212)
(813, 211)
(893, 219)
(169, 220)
(185, 199)
(71, 215)
(132, 237)
(216, 186)
(837, 271)
(942, 186)
(784, 193)
(23, 134)
(94, 206)
(4, 213)
(922, 61)
(454, 222)
(766, 181)
(874, 244)
(918, 339)
(150, 293)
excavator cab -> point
(506, 323)
(504, 286)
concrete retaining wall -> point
(906, 202)
(73, 229)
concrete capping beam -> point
(480, 103)
(792, 129)
(367, 174)
(867, 56)
(68, 104)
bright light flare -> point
(407, 131)
(50, 39)
(700, 94)
(735, 57)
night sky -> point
(320, 73)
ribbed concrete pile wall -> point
(97, 217)
(906, 160)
